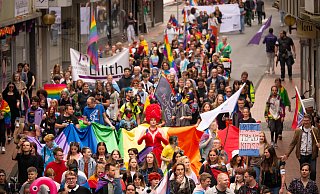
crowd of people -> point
(200, 83)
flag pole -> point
(225, 139)
(315, 137)
(303, 108)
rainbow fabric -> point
(122, 140)
(168, 51)
(7, 114)
(298, 113)
(54, 90)
(92, 44)
(198, 35)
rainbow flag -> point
(92, 44)
(198, 35)
(168, 51)
(299, 112)
(90, 136)
(5, 108)
(54, 90)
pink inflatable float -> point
(35, 186)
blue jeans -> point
(242, 23)
(275, 190)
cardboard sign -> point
(249, 139)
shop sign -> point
(306, 29)
(21, 7)
(41, 4)
(7, 30)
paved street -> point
(245, 58)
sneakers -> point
(275, 145)
(280, 137)
(3, 150)
(9, 139)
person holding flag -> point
(274, 114)
(285, 99)
(306, 140)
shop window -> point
(5, 61)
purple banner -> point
(257, 37)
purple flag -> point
(257, 37)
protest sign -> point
(114, 66)
(166, 97)
(249, 139)
(230, 15)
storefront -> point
(309, 35)
(17, 37)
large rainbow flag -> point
(92, 43)
(122, 140)
(54, 90)
(299, 112)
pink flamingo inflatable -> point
(35, 186)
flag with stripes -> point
(92, 44)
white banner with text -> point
(230, 15)
(114, 66)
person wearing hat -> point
(153, 136)
(154, 179)
(235, 162)
(181, 113)
(47, 150)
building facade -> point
(26, 38)
(71, 29)
(307, 15)
(18, 36)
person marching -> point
(153, 136)
(274, 114)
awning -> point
(19, 19)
